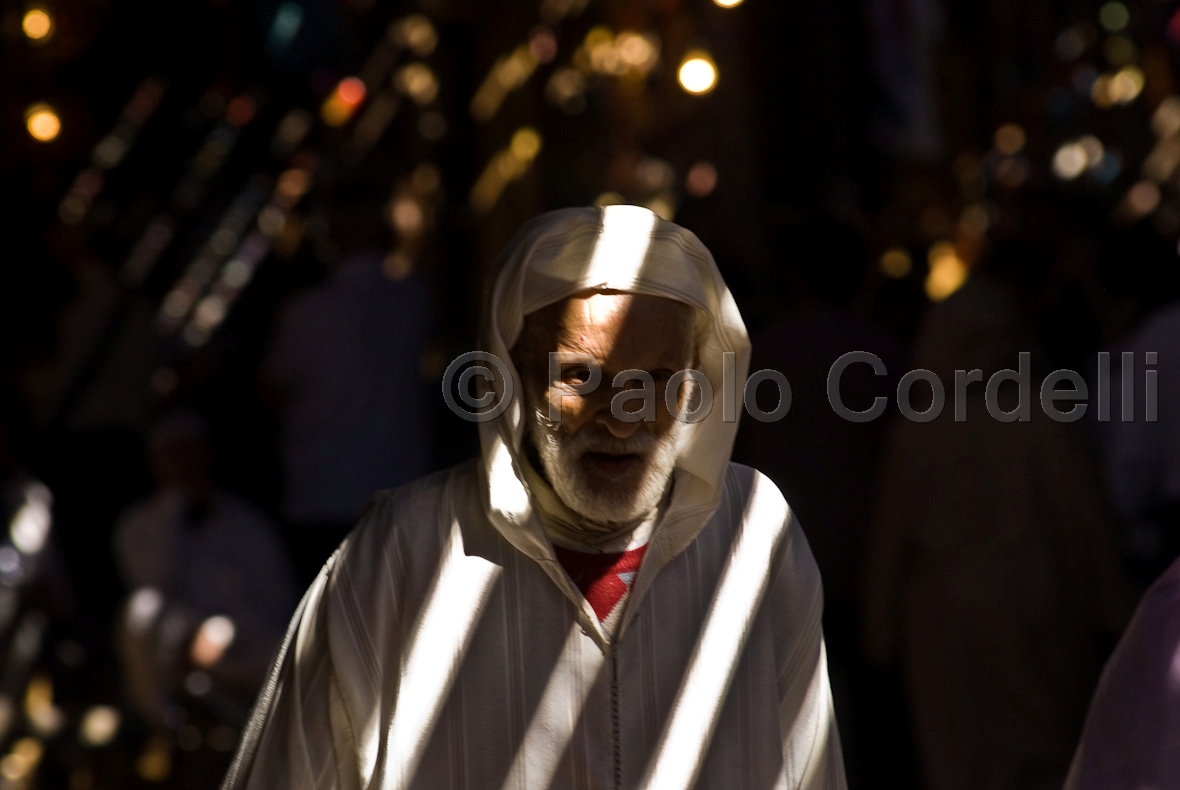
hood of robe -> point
(617, 248)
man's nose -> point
(617, 428)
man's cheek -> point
(566, 406)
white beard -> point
(624, 500)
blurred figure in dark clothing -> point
(211, 591)
(992, 573)
(825, 465)
(345, 368)
(1141, 458)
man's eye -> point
(575, 374)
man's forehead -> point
(612, 310)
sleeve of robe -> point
(302, 734)
(813, 758)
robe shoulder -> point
(794, 575)
(742, 480)
(760, 501)
(403, 529)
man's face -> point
(608, 470)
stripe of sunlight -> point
(621, 249)
(557, 714)
(743, 582)
(441, 636)
(820, 760)
(505, 494)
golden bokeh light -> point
(896, 263)
(155, 762)
(342, 102)
(1127, 84)
(728, 3)
(505, 167)
(526, 143)
(42, 123)
(417, 33)
(948, 271)
(417, 81)
(1009, 139)
(697, 73)
(37, 24)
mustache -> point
(636, 444)
(597, 439)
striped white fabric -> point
(431, 653)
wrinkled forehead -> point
(608, 317)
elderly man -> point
(601, 600)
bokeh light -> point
(526, 143)
(1009, 139)
(155, 762)
(1114, 17)
(37, 24)
(417, 33)
(728, 3)
(697, 73)
(30, 525)
(42, 122)
(1126, 84)
(948, 271)
(1165, 121)
(406, 216)
(417, 81)
(701, 179)
(213, 638)
(17, 766)
(99, 726)
(1069, 161)
(342, 102)
(896, 263)
(1143, 198)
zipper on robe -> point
(616, 735)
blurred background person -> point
(211, 592)
(992, 571)
(344, 370)
(1141, 459)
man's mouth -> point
(612, 463)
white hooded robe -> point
(443, 646)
